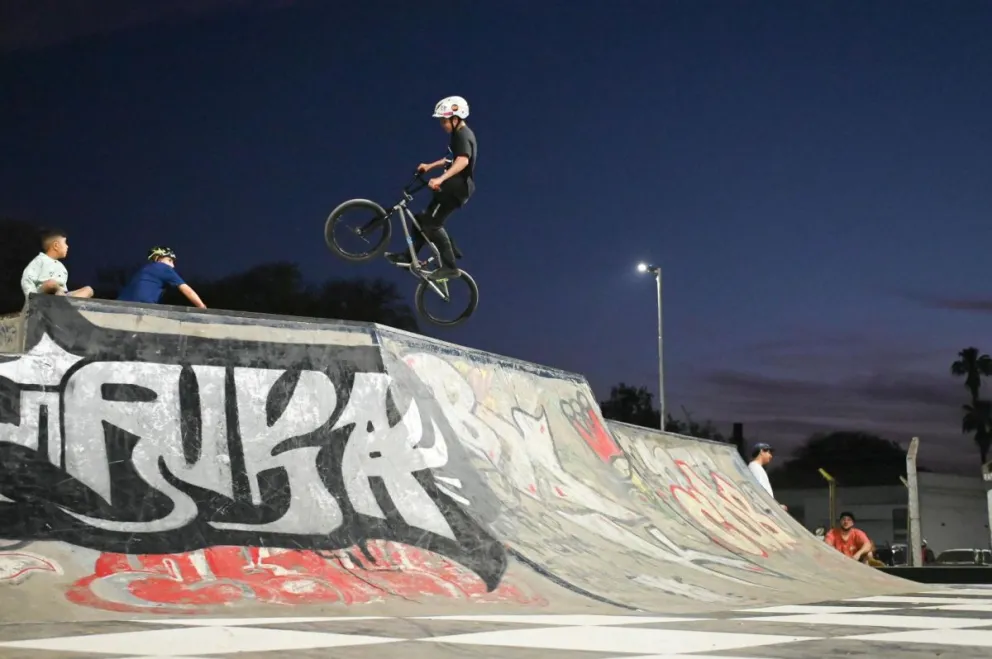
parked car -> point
(965, 557)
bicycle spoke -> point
(357, 230)
(437, 286)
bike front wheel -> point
(447, 293)
(343, 230)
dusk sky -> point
(814, 177)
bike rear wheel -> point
(348, 218)
(428, 288)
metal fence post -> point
(832, 485)
(987, 477)
(915, 535)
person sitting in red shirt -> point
(853, 543)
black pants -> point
(431, 221)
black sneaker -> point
(398, 258)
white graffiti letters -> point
(27, 431)
(156, 422)
(177, 425)
(377, 450)
(528, 459)
(312, 510)
(47, 369)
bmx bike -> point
(375, 233)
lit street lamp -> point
(656, 271)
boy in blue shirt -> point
(148, 284)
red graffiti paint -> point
(17, 566)
(190, 581)
(587, 423)
(728, 515)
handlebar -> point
(418, 179)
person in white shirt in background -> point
(45, 274)
(761, 455)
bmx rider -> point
(148, 284)
(452, 189)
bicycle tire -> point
(473, 304)
(338, 213)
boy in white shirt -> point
(45, 274)
(761, 455)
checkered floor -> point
(948, 621)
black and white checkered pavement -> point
(954, 622)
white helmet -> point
(452, 106)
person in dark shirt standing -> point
(452, 189)
(148, 284)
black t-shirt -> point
(463, 143)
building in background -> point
(953, 510)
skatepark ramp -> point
(158, 460)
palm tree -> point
(978, 419)
(972, 366)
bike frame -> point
(407, 216)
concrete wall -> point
(953, 511)
(206, 443)
(11, 337)
(872, 506)
(180, 460)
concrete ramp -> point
(160, 460)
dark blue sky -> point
(813, 177)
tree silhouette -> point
(375, 300)
(693, 428)
(635, 405)
(972, 365)
(19, 243)
(977, 419)
(632, 405)
(853, 458)
(279, 288)
(111, 281)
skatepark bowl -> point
(162, 462)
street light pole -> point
(656, 271)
